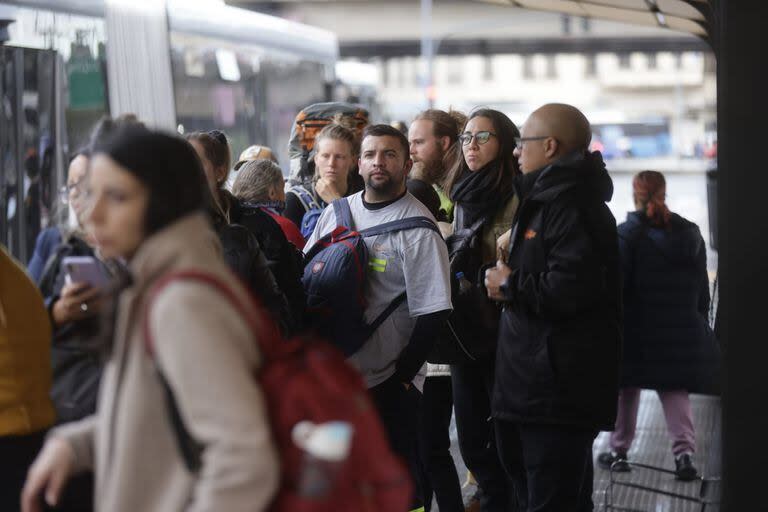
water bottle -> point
(325, 446)
(464, 284)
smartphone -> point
(85, 269)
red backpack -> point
(307, 379)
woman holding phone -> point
(202, 349)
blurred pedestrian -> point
(139, 213)
(26, 410)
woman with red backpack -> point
(202, 349)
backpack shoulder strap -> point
(306, 199)
(257, 322)
(385, 314)
(343, 213)
(400, 225)
(190, 449)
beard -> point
(432, 169)
(387, 187)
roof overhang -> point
(691, 16)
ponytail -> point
(650, 189)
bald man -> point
(556, 381)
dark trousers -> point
(400, 411)
(551, 465)
(435, 446)
(16, 455)
(472, 386)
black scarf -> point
(477, 193)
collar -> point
(380, 206)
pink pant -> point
(677, 411)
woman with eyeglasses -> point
(75, 308)
(479, 182)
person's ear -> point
(272, 193)
(408, 166)
(445, 143)
(222, 175)
(551, 146)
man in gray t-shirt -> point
(414, 261)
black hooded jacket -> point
(560, 332)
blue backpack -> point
(335, 279)
(312, 208)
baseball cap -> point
(255, 152)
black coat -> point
(668, 343)
(246, 259)
(285, 261)
(560, 332)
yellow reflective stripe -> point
(420, 509)
(379, 261)
(376, 268)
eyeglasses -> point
(73, 190)
(480, 137)
(520, 140)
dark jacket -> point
(668, 343)
(560, 332)
(285, 261)
(246, 259)
(47, 242)
(76, 356)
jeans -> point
(435, 446)
(677, 411)
(551, 465)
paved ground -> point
(652, 446)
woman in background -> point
(668, 345)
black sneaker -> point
(684, 468)
(614, 461)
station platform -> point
(652, 447)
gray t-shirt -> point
(413, 260)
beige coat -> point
(208, 356)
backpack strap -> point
(306, 199)
(190, 449)
(251, 311)
(343, 213)
(385, 314)
(400, 225)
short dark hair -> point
(385, 130)
(161, 162)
